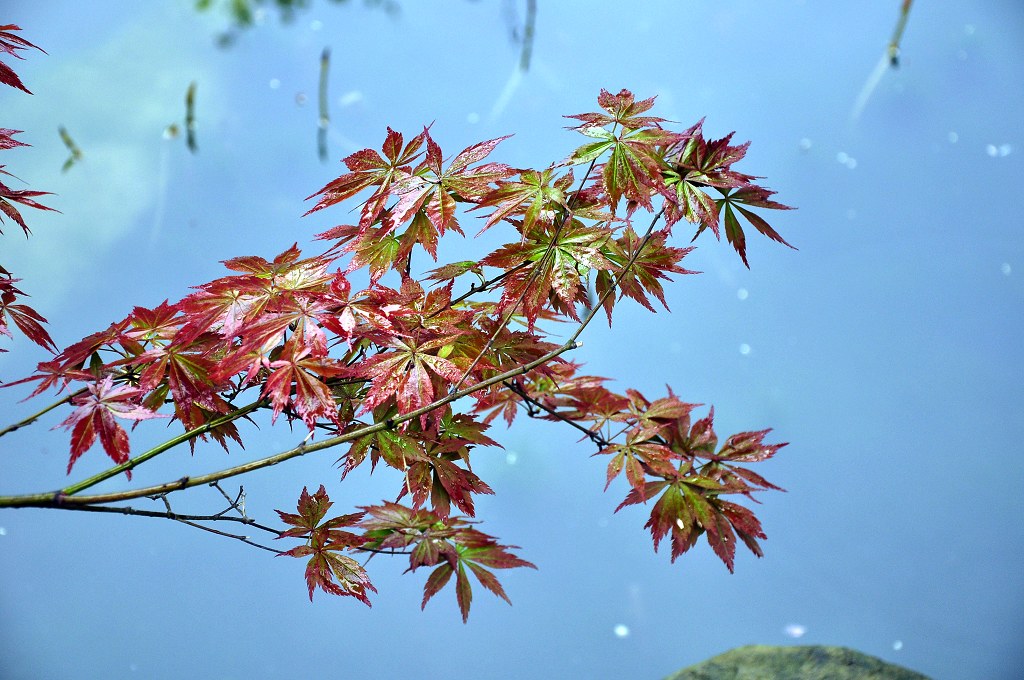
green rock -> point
(813, 662)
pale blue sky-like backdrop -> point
(887, 350)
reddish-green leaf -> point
(94, 418)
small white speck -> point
(349, 98)
(992, 150)
(274, 83)
(795, 630)
(842, 157)
(953, 137)
(1006, 269)
(300, 98)
(511, 457)
(744, 349)
(805, 144)
(316, 25)
(742, 294)
(969, 29)
(3, 531)
(621, 631)
(473, 118)
(897, 645)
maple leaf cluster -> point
(406, 372)
(26, 319)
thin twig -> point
(324, 121)
(528, 32)
(36, 416)
(897, 34)
(157, 450)
(595, 437)
(190, 520)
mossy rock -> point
(813, 662)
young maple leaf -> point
(7, 140)
(690, 507)
(435, 473)
(534, 194)
(371, 169)
(296, 370)
(331, 572)
(95, 417)
(731, 201)
(435, 198)
(448, 542)
(636, 454)
(28, 320)
(407, 370)
(744, 447)
(477, 551)
(635, 168)
(9, 44)
(654, 262)
(697, 164)
(9, 196)
(622, 109)
(559, 257)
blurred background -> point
(886, 350)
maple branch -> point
(66, 497)
(132, 463)
(190, 520)
(595, 437)
(35, 416)
(474, 288)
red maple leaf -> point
(10, 44)
(28, 320)
(327, 569)
(370, 169)
(95, 417)
(9, 196)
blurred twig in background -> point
(324, 121)
(190, 117)
(76, 153)
(897, 34)
(889, 59)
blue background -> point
(887, 349)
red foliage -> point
(28, 320)
(379, 369)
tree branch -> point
(63, 498)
